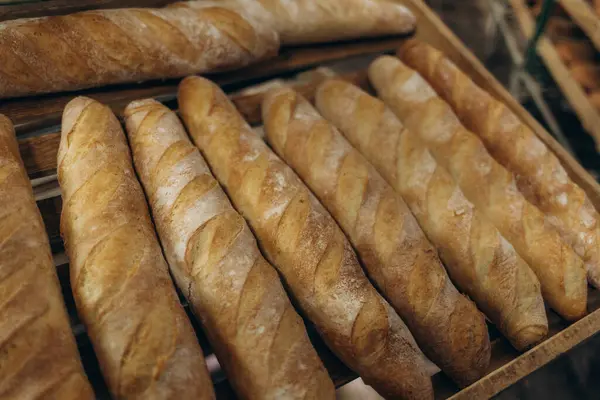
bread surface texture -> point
(39, 359)
(310, 251)
(391, 245)
(309, 21)
(479, 260)
(101, 47)
(486, 183)
(257, 335)
(142, 337)
(538, 172)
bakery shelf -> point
(573, 91)
(582, 13)
(13, 9)
(37, 120)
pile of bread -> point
(434, 189)
(575, 50)
(394, 225)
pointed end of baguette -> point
(72, 111)
(529, 336)
(382, 70)
(71, 114)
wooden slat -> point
(29, 113)
(525, 364)
(62, 7)
(586, 17)
(39, 152)
(575, 94)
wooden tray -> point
(37, 120)
(584, 15)
(572, 90)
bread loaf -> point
(479, 260)
(488, 185)
(301, 239)
(257, 335)
(308, 21)
(394, 250)
(558, 28)
(142, 337)
(39, 359)
(539, 174)
(101, 47)
(574, 51)
(587, 74)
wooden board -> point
(38, 120)
(574, 93)
(61, 7)
(584, 15)
(29, 114)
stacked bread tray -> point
(569, 51)
(38, 119)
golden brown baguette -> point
(39, 359)
(479, 260)
(257, 335)
(487, 184)
(393, 248)
(539, 174)
(301, 239)
(142, 337)
(308, 21)
(101, 47)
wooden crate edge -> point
(532, 360)
(574, 93)
(585, 17)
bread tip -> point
(5, 121)
(276, 93)
(528, 337)
(71, 112)
(135, 105)
(402, 13)
(194, 84)
(381, 70)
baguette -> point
(479, 260)
(560, 28)
(488, 185)
(301, 239)
(309, 21)
(142, 337)
(397, 255)
(39, 359)
(257, 335)
(539, 174)
(101, 47)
